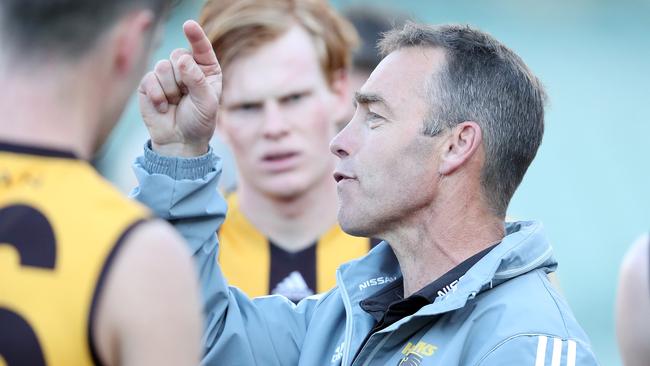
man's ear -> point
(132, 41)
(462, 143)
(340, 87)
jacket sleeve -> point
(540, 350)
(238, 331)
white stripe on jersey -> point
(556, 358)
(541, 351)
(571, 354)
(557, 352)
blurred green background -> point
(590, 182)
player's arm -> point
(177, 180)
(633, 305)
(148, 310)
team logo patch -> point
(412, 359)
(415, 353)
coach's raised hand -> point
(180, 98)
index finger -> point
(201, 47)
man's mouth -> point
(278, 156)
(339, 177)
(279, 162)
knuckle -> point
(177, 53)
(157, 99)
(197, 79)
(147, 78)
(156, 94)
(195, 76)
(162, 67)
(145, 84)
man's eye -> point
(373, 117)
(248, 107)
(293, 98)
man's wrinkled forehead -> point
(401, 77)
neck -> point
(438, 239)
(292, 223)
(48, 110)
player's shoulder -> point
(150, 252)
(76, 189)
(636, 260)
(156, 238)
(635, 273)
(152, 267)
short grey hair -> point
(485, 82)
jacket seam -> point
(519, 335)
(557, 306)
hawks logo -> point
(414, 353)
(412, 359)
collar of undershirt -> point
(36, 150)
(389, 305)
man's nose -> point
(275, 125)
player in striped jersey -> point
(286, 79)
(260, 267)
(78, 284)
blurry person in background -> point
(78, 284)
(370, 22)
(286, 79)
(633, 304)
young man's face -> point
(388, 169)
(278, 116)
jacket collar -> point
(523, 249)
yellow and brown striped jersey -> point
(253, 263)
(60, 226)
